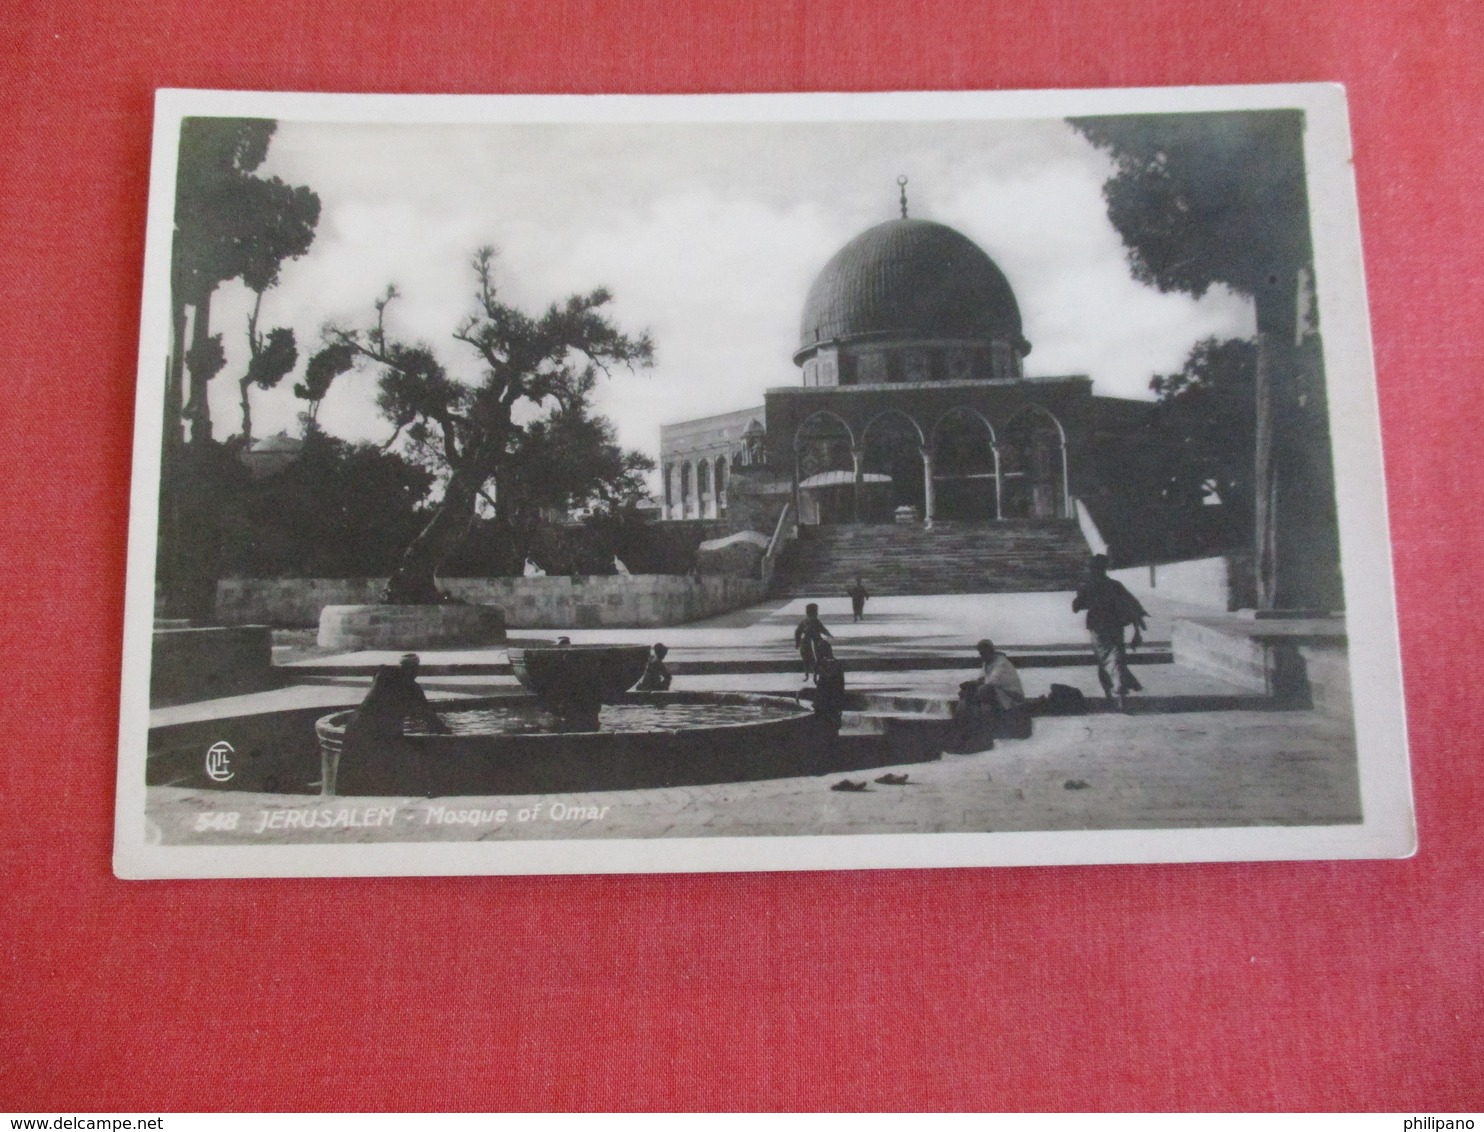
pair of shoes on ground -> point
(847, 786)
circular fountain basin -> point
(514, 745)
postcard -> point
(603, 484)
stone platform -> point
(204, 662)
(1303, 660)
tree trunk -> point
(245, 385)
(1297, 544)
(414, 582)
(198, 407)
(191, 489)
(175, 374)
(167, 539)
(1265, 481)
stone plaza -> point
(1201, 747)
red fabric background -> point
(1345, 985)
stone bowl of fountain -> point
(575, 681)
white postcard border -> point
(1388, 828)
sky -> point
(708, 236)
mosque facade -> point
(913, 404)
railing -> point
(774, 552)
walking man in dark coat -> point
(1110, 608)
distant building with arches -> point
(698, 458)
(914, 406)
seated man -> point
(374, 756)
(991, 704)
(656, 676)
(393, 700)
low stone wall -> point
(190, 664)
(1303, 661)
(622, 602)
(289, 603)
(446, 626)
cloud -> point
(1084, 313)
(708, 237)
(719, 282)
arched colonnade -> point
(957, 466)
(697, 488)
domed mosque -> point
(914, 406)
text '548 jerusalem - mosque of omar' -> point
(914, 404)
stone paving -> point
(901, 626)
(1192, 751)
(1104, 771)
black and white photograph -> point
(594, 484)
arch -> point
(963, 410)
(703, 489)
(668, 474)
(824, 452)
(966, 467)
(888, 414)
(1033, 465)
(685, 481)
(1043, 411)
(892, 470)
(817, 424)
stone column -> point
(798, 495)
(859, 459)
(1066, 483)
(927, 485)
(999, 508)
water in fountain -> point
(523, 719)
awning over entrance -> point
(841, 477)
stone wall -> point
(289, 603)
(634, 601)
(450, 625)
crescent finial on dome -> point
(902, 184)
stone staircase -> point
(1013, 556)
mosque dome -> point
(910, 279)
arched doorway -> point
(721, 485)
(824, 469)
(966, 485)
(891, 467)
(704, 507)
(1033, 466)
(685, 491)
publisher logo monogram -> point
(219, 761)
